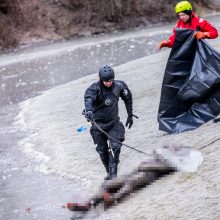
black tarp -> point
(190, 94)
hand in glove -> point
(164, 43)
(129, 121)
(89, 115)
(201, 35)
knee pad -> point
(116, 146)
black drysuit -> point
(103, 102)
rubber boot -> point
(107, 177)
(107, 171)
(105, 163)
(113, 172)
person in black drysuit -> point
(101, 105)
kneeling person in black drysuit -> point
(101, 105)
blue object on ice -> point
(81, 129)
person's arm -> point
(89, 98)
(126, 96)
(213, 32)
(169, 42)
(207, 30)
(172, 37)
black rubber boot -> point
(107, 177)
(113, 172)
(105, 162)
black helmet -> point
(106, 73)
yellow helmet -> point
(183, 6)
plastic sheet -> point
(190, 94)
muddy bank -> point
(27, 22)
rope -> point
(209, 144)
(142, 152)
(133, 148)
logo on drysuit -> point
(108, 101)
(125, 92)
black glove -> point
(89, 115)
(129, 121)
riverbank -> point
(45, 161)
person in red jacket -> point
(188, 19)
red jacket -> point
(204, 26)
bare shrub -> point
(31, 21)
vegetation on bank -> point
(24, 22)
